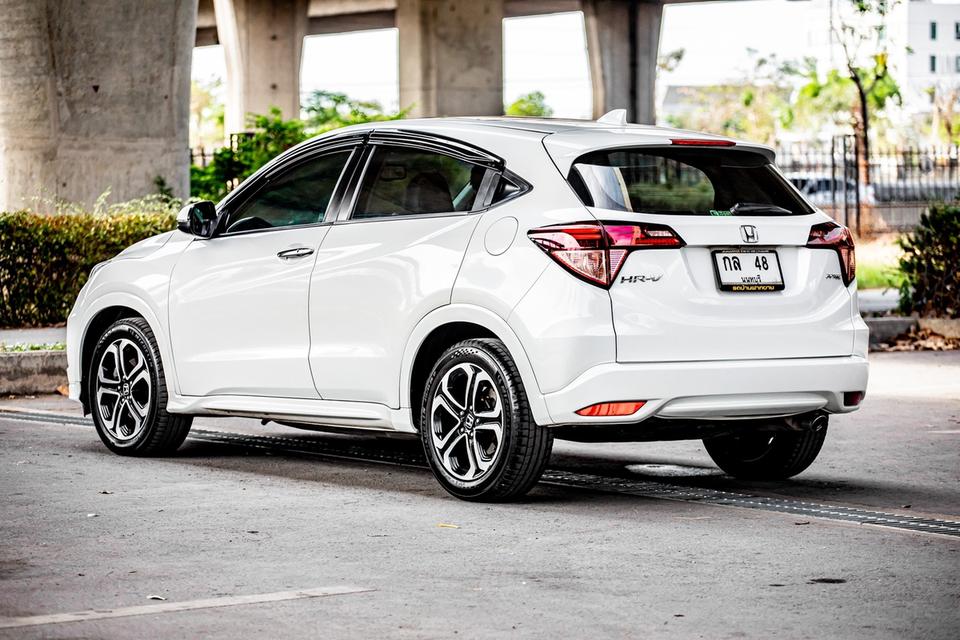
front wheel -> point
(767, 456)
(478, 434)
(128, 393)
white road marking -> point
(170, 607)
(948, 431)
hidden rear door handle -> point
(299, 252)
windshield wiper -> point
(758, 208)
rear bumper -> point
(713, 390)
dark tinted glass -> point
(299, 196)
(684, 181)
(401, 181)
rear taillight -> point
(595, 251)
(830, 235)
(702, 142)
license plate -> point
(744, 271)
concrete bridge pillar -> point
(451, 56)
(263, 42)
(94, 96)
(623, 38)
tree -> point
(327, 110)
(532, 104)
(269, 135)
(946, 111)
(865, 80)
(206, 113)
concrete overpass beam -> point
(451, 56)
(623, 39)
(262, 42)
(83, 111)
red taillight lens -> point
(595, 251)
(606, 409)
(830, 235)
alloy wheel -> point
(467, 422)
(124, 390)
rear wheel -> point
(128, 393)
(478, 434)
(767, 456)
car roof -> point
(564, 139)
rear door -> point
(744, 285)
(391, 258)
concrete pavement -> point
(84, 530)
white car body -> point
(334, 339)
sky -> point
(548, 53)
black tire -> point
(767, 456)
(160, 433)
(523, 450)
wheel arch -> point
(445, 327)
(100, 315)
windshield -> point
(718, 182)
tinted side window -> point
(401, 181)
(299, 196)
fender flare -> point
(139, 304)
(493, 323)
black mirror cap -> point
(198, 219)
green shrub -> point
(931, 264)
(45, 259)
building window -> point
(933, 64)
(956, 30)
(933, 30)
(956, 64)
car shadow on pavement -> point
(398, 465)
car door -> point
(390, 259)
(239, 318)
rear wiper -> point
(758, 208)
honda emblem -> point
(749, 233)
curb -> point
(32, 372)
(886, 329)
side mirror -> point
(199, 219)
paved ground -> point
(237, 516)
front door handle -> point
(299, 252)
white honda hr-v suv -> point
(488, 284)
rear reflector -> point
(852, 398)
(606, 409)
(696, 142)
(595, 251)
(830, 235)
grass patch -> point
(878, 276)
(22, 348)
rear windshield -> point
(718, 182)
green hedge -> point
(931, 264)
(45, 259)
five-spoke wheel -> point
(124, 391)
(477, 431)
(127, 392)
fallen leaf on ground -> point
(155, 598)
(92, 515)
(106, 493)
(445, 525)
(64, 390)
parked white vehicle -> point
(488, 283)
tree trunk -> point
(862, 133)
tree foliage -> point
(533, 104)
(270, 134)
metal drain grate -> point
(377, 453)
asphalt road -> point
(273, 532)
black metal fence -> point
(888, 193)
